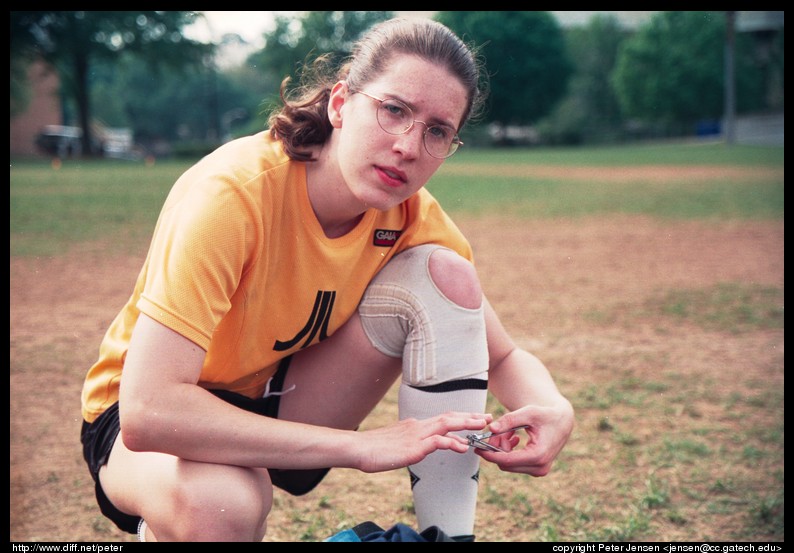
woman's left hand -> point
(548, 430)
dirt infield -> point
(575, 292)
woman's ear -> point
(339, 94)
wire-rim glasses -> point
(395, 117)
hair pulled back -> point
(302, 122)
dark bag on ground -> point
(369, 531)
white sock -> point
(444, 484)
(142, 531)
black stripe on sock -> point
(454, 385)
(414, 478)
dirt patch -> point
(666, 410)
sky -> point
(249, 25)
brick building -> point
(44, 109)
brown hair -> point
(302, 122)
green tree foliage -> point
(298, 39)
(526, 59)
(596, 54)
(72, 41)
(672, 70)
(198, 104)
(590, 112)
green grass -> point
(541, 198)
(733, 307)
(52, 210)
(117, 203)
(629, 155)
(491, 181)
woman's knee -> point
(455, 277)
(425, 307)
(215, 503)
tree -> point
(197, 105)
(596, 56)
(72, 41)
(525, 56)
(590, 112)
(672, 70)
(295, 40)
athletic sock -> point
(142, 531)
(444, 484)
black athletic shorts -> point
(98, 439)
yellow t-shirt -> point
(240, 265)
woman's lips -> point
(391, 176)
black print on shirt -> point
(318, 322)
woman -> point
(292, 277)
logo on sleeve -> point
(386, 238)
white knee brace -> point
(405, 315)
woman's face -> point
(380, 169)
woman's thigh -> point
(158, 486)
(338, 381)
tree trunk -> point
(83, 102)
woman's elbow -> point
(136, 427)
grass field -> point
(51, 209)
(648, 278)
(662, 181)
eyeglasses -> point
(394, 117)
